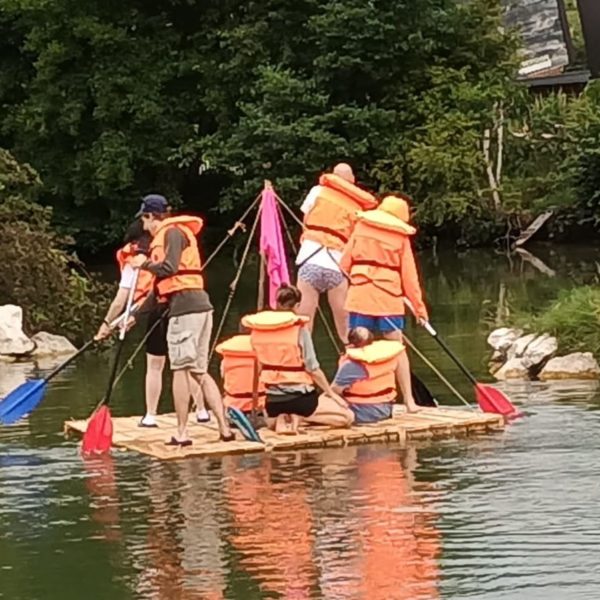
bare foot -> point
(281, 426)
(412, 407)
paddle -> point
(25, 398)
(98, 434)
(489, 398)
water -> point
(511, 515)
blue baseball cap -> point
(153, 204)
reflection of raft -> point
(403, 428)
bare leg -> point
(337, 299)
(403, 374)
(309, 302)
(154, 371)
(212, 397)
(181, 400)
(329, 412)
(197, 395)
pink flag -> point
(271, 243)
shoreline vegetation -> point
(100, 105)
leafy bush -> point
(36, 271)
(574, 318)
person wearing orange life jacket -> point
(137, 241)
(238, 369)
(380, 264)
(176, 266)
(290, 369)
(329, 216)
(366, 377)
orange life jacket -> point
(189, 270)
(331, 219)
(237, 369)
(274, 337)
(145, 279)
(374, 260)
(380, 359)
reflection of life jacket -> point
(331, 219)
(274, 338)
(377, 253)
(189, 270)
(237, 368)
(145, 279)
(380, 359)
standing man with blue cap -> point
(176, 266)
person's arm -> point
(345, 263)
(118, 304)
(311, 364)
(348, 374)
(175, 243)
(410, 281)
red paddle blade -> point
(492, 400)
(98, 435)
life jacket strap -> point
(371, 395)
(286, 368)
(328, 230)
(245, 395)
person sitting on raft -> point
(329, 217)
(366, 376)
(290, 369)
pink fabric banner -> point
(271, 243)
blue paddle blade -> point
(21, 401)
(243, 424)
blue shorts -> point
(377, 324)
(371, 413)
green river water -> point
(510, 515)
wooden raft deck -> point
(427, 424)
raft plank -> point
(426, 424)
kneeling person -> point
(290, 370)
(366, 376)
(238, 369)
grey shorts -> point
(188, 339)
(320, 278)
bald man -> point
(326, 230)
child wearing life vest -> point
(290, 370)
(366, 376)
(380, 264)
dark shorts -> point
(320, 278)
(377, 324)
(156, 344)
(303, 405)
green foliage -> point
(574, 318)
(204, 100)
(36, 272)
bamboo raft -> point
(432, 423)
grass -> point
(573, 318)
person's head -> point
(359, 337)
(344, 170)
(288, 297)
(136, 236)
(396, 206)
(153, 211)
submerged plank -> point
(425, 424)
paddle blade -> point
(98, 435)
(242, 422)
(422, 395)
(21, 401)
(492, 400)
